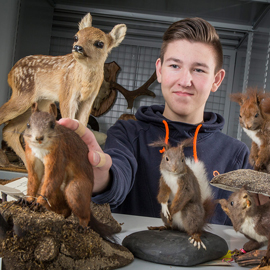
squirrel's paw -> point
(265, 261)
(237, 252)
(22, 202)
(165, 211)
(82, 229)
(196, 241)
(37, 207)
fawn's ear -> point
(53, 110)
(86, 21)
(117, 35)
(35, 107)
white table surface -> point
(137, 223)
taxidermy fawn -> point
(256, 123)
(185, 194)
(73, 80)
(249, 219)
(60, 177)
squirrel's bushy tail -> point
(105, 231)
(209, 208)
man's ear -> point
(158, 70)
(218, 80)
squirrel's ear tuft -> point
(160, 143)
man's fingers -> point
(100, 159)
(69, 123)
(86, 134)
(80, 130)
(74, 125)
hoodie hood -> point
(213, 122)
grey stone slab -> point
(173, 247)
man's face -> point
(187, 76)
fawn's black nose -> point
(78, 49)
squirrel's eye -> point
(232, 203)
(76, 38)
(166, 158)
(28, 125)
(182, 160)
(256, 115)
(240, 116)
(99, 44)
(52, 125)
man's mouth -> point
(183, 93)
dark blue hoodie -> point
(135, 171)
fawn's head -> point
(91, 45)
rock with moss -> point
(45, 240)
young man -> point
(189, 68)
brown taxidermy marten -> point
(249, 219)
(256, 123)
(59, 173)
(184, 194)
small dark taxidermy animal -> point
(185, 195)
(59, 173)
(249, 219)
(256, 123)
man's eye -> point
(174, 66)
(199, 70)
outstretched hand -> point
(100, 161)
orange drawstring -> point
(215, 173)
(166, 137)
(194, 140)
(195, 143)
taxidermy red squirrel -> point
(256, 123)
(184, 194)
(59, 173)
(250, 219)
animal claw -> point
(82, 229)
(21, 201)
(197, 243)
(265, 261)
(203, 245)
(37, 207)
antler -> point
(131, 95)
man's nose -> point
(185, 78)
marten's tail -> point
(105, 231)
